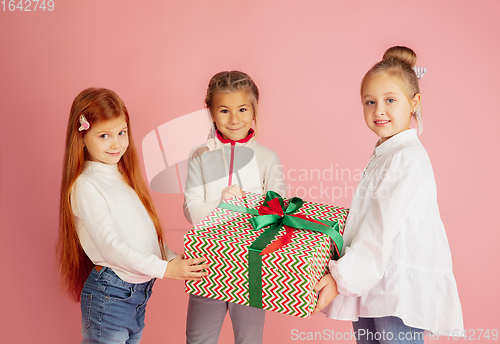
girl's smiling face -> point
(107, 141)
(233, 114)
(386, 109)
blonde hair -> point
(233, 81)
(96, 104)
(398, 63)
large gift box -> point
(266, 252)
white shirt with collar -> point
(255, 169)
(113, 225)
(396, 259)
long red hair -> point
(96, 104)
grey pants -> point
(205, 317)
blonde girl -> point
(111, 247)
(230, 162)
(395, 278)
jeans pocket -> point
(85, 304)
(118, 293)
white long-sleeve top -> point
(113, 225)
(396, 259)
(256, 169)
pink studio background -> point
(308, 58)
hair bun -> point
(403, 54)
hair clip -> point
(84, 125)
(420, 71)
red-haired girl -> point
(111, 247)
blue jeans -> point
(386, 330)
(113, 310)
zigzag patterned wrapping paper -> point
(288, 274)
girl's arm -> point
(365, 259)
(91, 208)
(196, 206)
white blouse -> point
(113, 225)
(257, 170)
(396, 259)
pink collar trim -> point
(251, 133)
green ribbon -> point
(273, 215)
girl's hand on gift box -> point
(186, 269)
(231, 191)
(327, 289)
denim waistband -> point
(109, 275)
